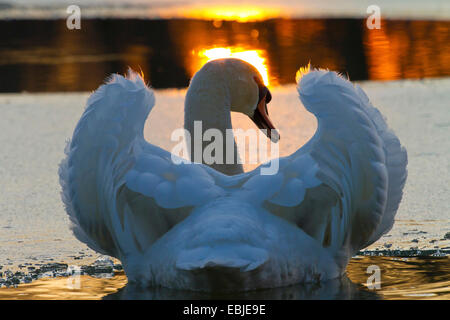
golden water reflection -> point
(401, 278)
(45, 56)
(254, 57)
(59, 289)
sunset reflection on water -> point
(254, 57)
(169, 52)
(401, 278)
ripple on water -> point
(401, 278)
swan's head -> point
(246, 92)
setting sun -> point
(254, 57)
(236, 13)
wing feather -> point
(344, 186)
(121, 192)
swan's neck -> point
(207, 106)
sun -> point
(234, 13)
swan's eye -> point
(263, 91)
(268, 96)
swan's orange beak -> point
(261, 115)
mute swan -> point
(190, 226)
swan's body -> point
(190, 226)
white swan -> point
(190, 226)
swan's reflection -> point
(336, 289)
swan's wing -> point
(122, 193)
(344, 186)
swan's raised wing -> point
(344, 186)
(122, 193)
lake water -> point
(47, 71)
(405, 278)
(45, 56)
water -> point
(401, 278)
(44, 65)
(44, 56)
